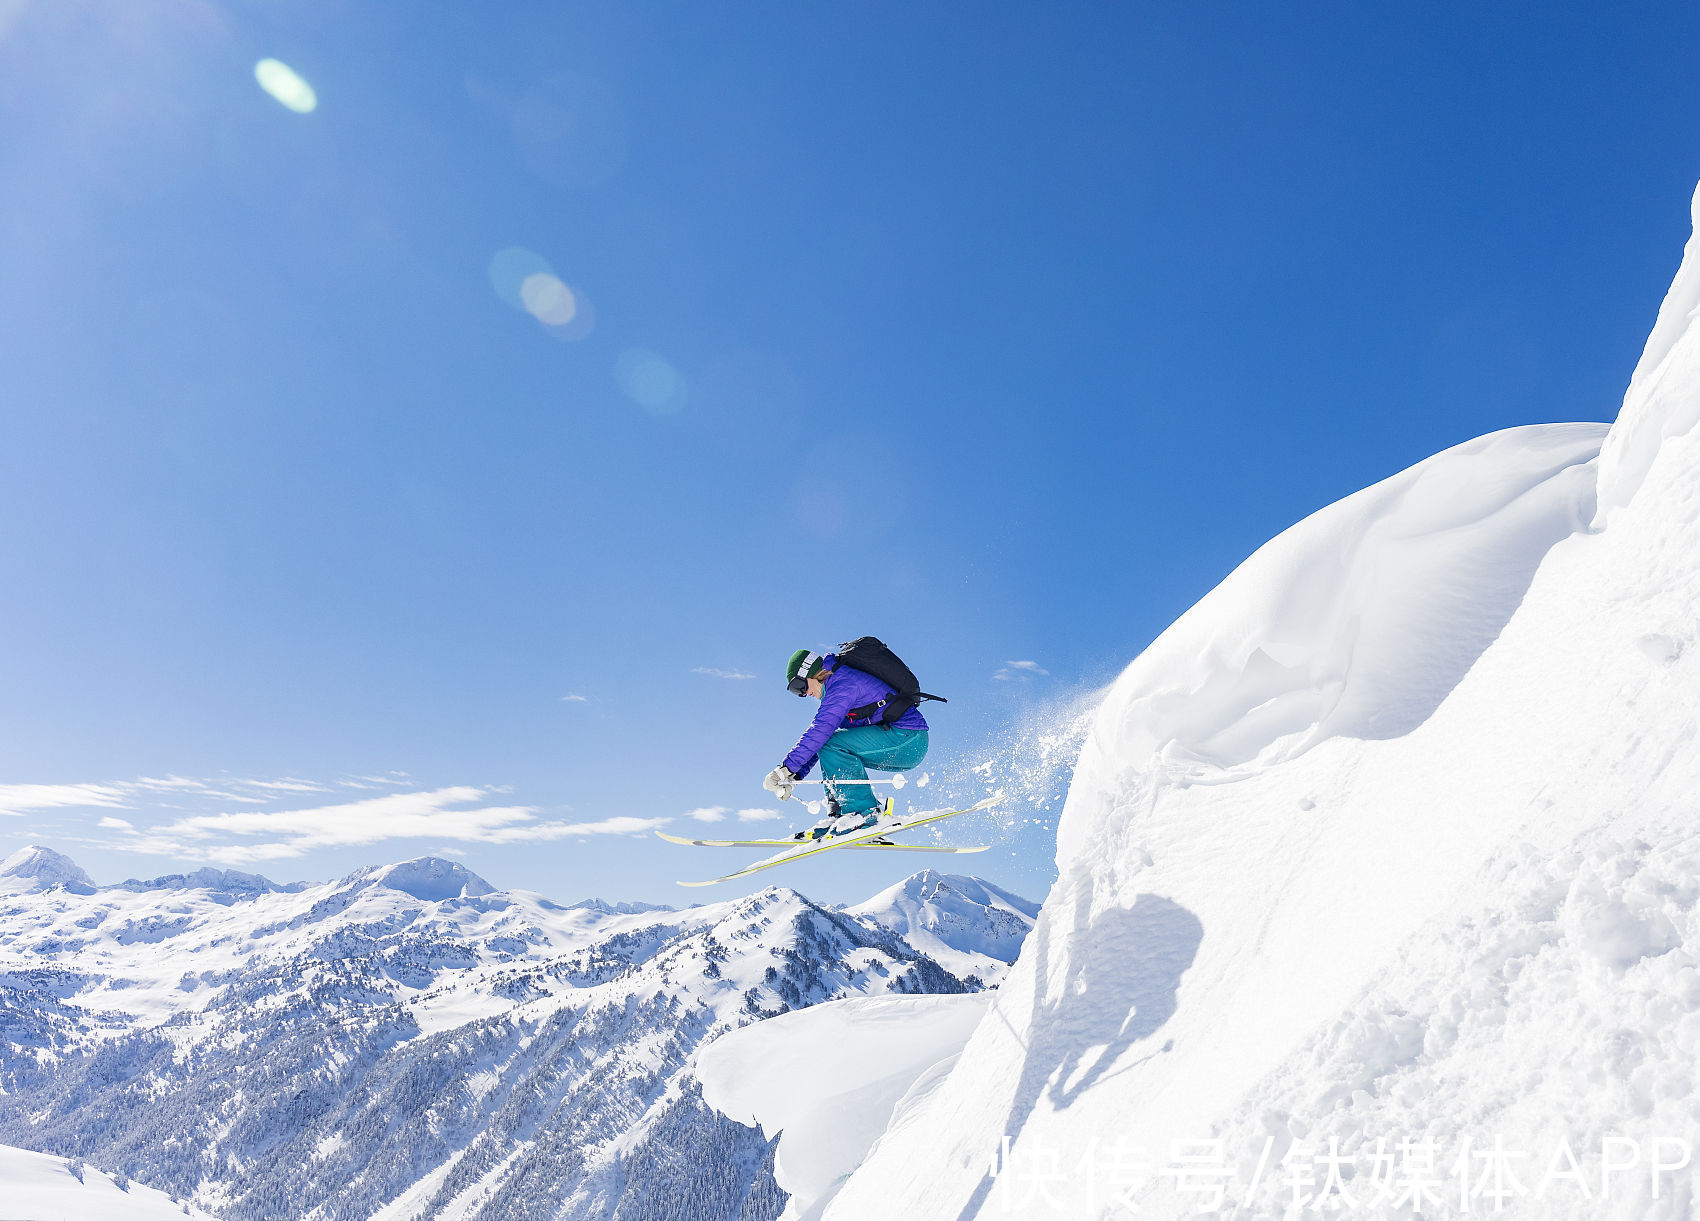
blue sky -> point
(1000, 331)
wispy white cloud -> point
(712, 672)
(1020, 669)
(287, 785)
(367, 821)
(623, 825)
(167, 783)
(758, 815)
(115, 824)
(221, 788)
(576, 698)
(453, 814)
(22, 798)
(709, 814)
(219, 854)
(391, 780)
(153, 791)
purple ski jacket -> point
(846, 688)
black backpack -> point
(869, 655)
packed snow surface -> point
(829, 1078)
(1378, 867)
(41, 1187)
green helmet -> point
(804, 663)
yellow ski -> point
(857, 839)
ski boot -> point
(823, 828)
(861, 820)
(820, 830)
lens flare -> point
(509, 271)
(10, 11)
(649, 381)
(524, 279)
(285, 84)
(580, 324)
(550, 301)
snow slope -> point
(1360, 619)
(829, 1078)
(1664, 393)
(41, 1187)
(1391, 837)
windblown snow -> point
(1379, 876)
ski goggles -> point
(798, 686)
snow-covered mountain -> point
(410, 1042)
(223, 882)
(970, 926)
(34, 869)
(1380, 869)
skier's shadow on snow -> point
(1118, 988)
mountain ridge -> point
(351, 1047)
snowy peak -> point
(969, 925)
(930, 887)
(36, 868)
(604, 908)
(221, 882)
(428, 878)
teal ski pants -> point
(849, 753)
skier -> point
(864, 721)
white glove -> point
(781, 781)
